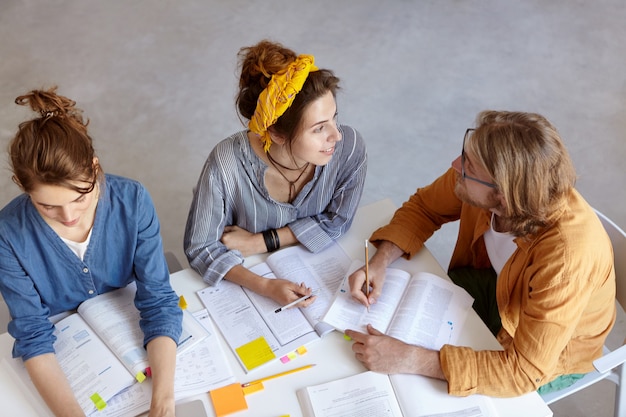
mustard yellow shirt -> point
(556, 294)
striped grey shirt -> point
(231, 191)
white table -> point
(332, 354)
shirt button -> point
(90, 291)
(85, 270)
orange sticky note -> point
(228, 399)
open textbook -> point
(199, 368)
(248, 321)
(423, 309)
(100, 347)
(373, 394)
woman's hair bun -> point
(48, 104)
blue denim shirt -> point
(40, 276)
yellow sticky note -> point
(292, 355)
(140, 377)
(255, 353)
(98, 401)
(228, 399)
(301, 350)
(182, 303)
(348, 338)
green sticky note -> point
(255, 353)
(98, 401)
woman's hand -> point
(284, 292)
(236, 238)
(280, 290)
(162, 359)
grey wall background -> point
(157, 80)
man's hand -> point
(382, 353)
(386, 253)
(376, 282)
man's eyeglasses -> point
(465, 176)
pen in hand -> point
(293, 303)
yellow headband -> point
(278, 96)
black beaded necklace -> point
(292, 184)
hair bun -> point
(48, 104)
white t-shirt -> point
(79, 248)
(500, 246)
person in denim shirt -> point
(76, 233)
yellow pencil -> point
(302, 368)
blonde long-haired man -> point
(530, 250)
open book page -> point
(193, 332)
(364, 394)
(424, 309)
(242, 322)
(373, 394)
(115, 318)
(244, 316)
(203, 367)
(199, 369)
(322, 271)
(345, 313)
(287, 325)
(431, 313)
(90, 367)
(420, 396)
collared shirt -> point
(231, 191)
(555, 294)
(40, 276)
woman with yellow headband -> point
(294, 176)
